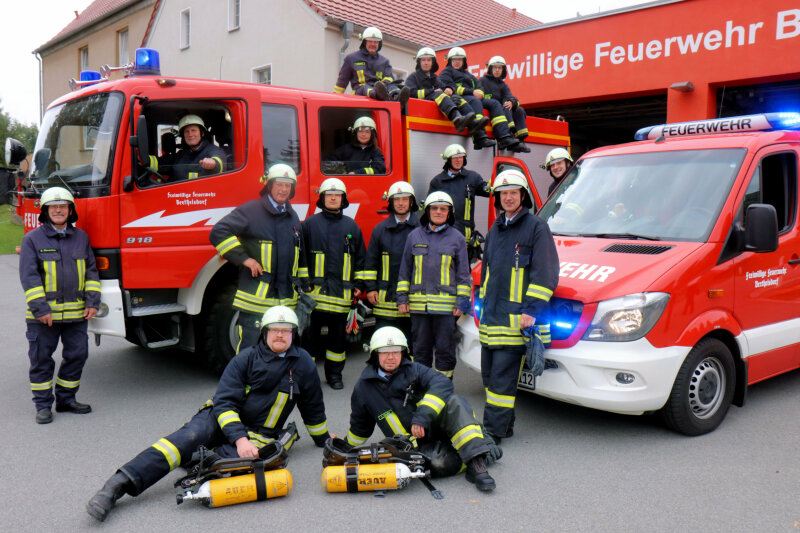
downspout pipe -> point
(41, 88)
(347, 31)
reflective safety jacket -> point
(360, 159)
(384, 255)
(462, 188)
(434, 272)
(58, 274)
(258, 391)
(413, 394)
(518, 275)
(362, 68)
(461, 81)
(335, 255)
(185, 164)
(496, 89)
(424, 85)
(257, 230)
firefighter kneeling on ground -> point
(434, 283)
(256, 394)
(407, 398)
(518, 276)
(558, 162)
(62, 289)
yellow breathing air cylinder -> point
(367, 477)
(240, 489)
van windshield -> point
(675, 195)
(75, 146)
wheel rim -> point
(707, 387)
(233, 331)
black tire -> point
(6, 179)
(218, 333)
(703, 388)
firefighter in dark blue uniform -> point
(263, 238)
(362, 155)
(256, 394)
(557, 163)
(519, 274)
(407, 398)
(335, 254)
(463, 186)
(199, 157)
(434, 283)
(368, 73)
(385, 253)
(425, 85)
(62, 290)
(495, 88)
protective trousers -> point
(335, 343)
(431, 332)
(497, 114)
(455, 440)
(500, 370)
(446, 103)
(516, 121)
(369, 90)
(42, 343)
(248, 326)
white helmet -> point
(332, 185)
(57, 196)
(363, 122)
(511, 179)
(387, 338)
(281, 171)
(453, 150)
(280, 315)
(456, 51)
(399, 189)
(556, 154)
(438, 198)
(427, 51)
(371, 34)
(186, 120)
(496, 60)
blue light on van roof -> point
(146, 62)
(89, 76)
(564, 325)
(717, 126)
(786, 119)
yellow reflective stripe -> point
(515, 288)
(46, 385)
(227, 417)
(538, 291)
(446, 373)
(369, 170)
(463, 290)
(511, 124)
(445, 269)
(460, 90)
(319, 265)
(336, 357)
(338, 90)
(500, 400)
(420, 93)
(439, 98)
(276, 410)
(521, 132)
(482, 290)
(66, 306)
(417, 269)
(395, 424)
(465, 435)
(385, 266)
(387, 79)
(302, 272)
(499, 120)
(403, 286)
(81, 266)
(360, 75)
(261, 290)
(266, 256)
(171, 453)
(219, 161)
(258, 439)
(228, 244)
(319, 429)
(355, 440)
(92, 285)
(67, 384)
(379, 75)
(49, 275)
(36, 292)
(346, 269)
(434, 402)
(154, 163)
(467, 209)
(367, 275)
(193, 175)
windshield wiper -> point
(57, 174)
(633, 236)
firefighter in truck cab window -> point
(335, 252)
(198, 157)
(361, 155)
(369, 73)
(385, 253)
(495, 88)
(257, 392)
(557, 163)
(62, 290)
(263, 237)
(421, 404)
(434, 283)
(518, 276)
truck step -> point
(163, 344)
(161, 309)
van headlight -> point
(626, 318)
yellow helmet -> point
(511, 179)
(279, 315)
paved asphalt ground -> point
(566, 469)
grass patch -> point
(10, 232)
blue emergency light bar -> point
(762, 122)
(89, 76)
(146, 63)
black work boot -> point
(478, 124)
(102, 502)
(403, 95)
(521, 147)
(44, 416)
(381, 93)
(74, 407)
(507, 143)
(477, 473)
(480, 140)
(335, 381)
(461, 122)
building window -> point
(123, 54)
(83, 58)
(234, 14)
(186, 26)
(262, 74)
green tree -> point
(24, 133)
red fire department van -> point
(163, 284)
(680, 271)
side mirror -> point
(761, 228)
(15, 152)
(40, 159)
(142, 144)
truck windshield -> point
(75, 147)
(675, 195)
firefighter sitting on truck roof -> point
(463, 186)
(518, 276)
(62, 289)
(495, 88)
(434, 283)
(335, 251)
(385, 253)
(264, 239)
(459, 81)
(408, 398)
(198, 157)
(247, 412)
(361, 155)
(425, 84)
(557, 163)
(368, 72)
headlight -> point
(626, 318)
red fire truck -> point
(163, 284)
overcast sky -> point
(27, 24)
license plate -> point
(527, 381)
